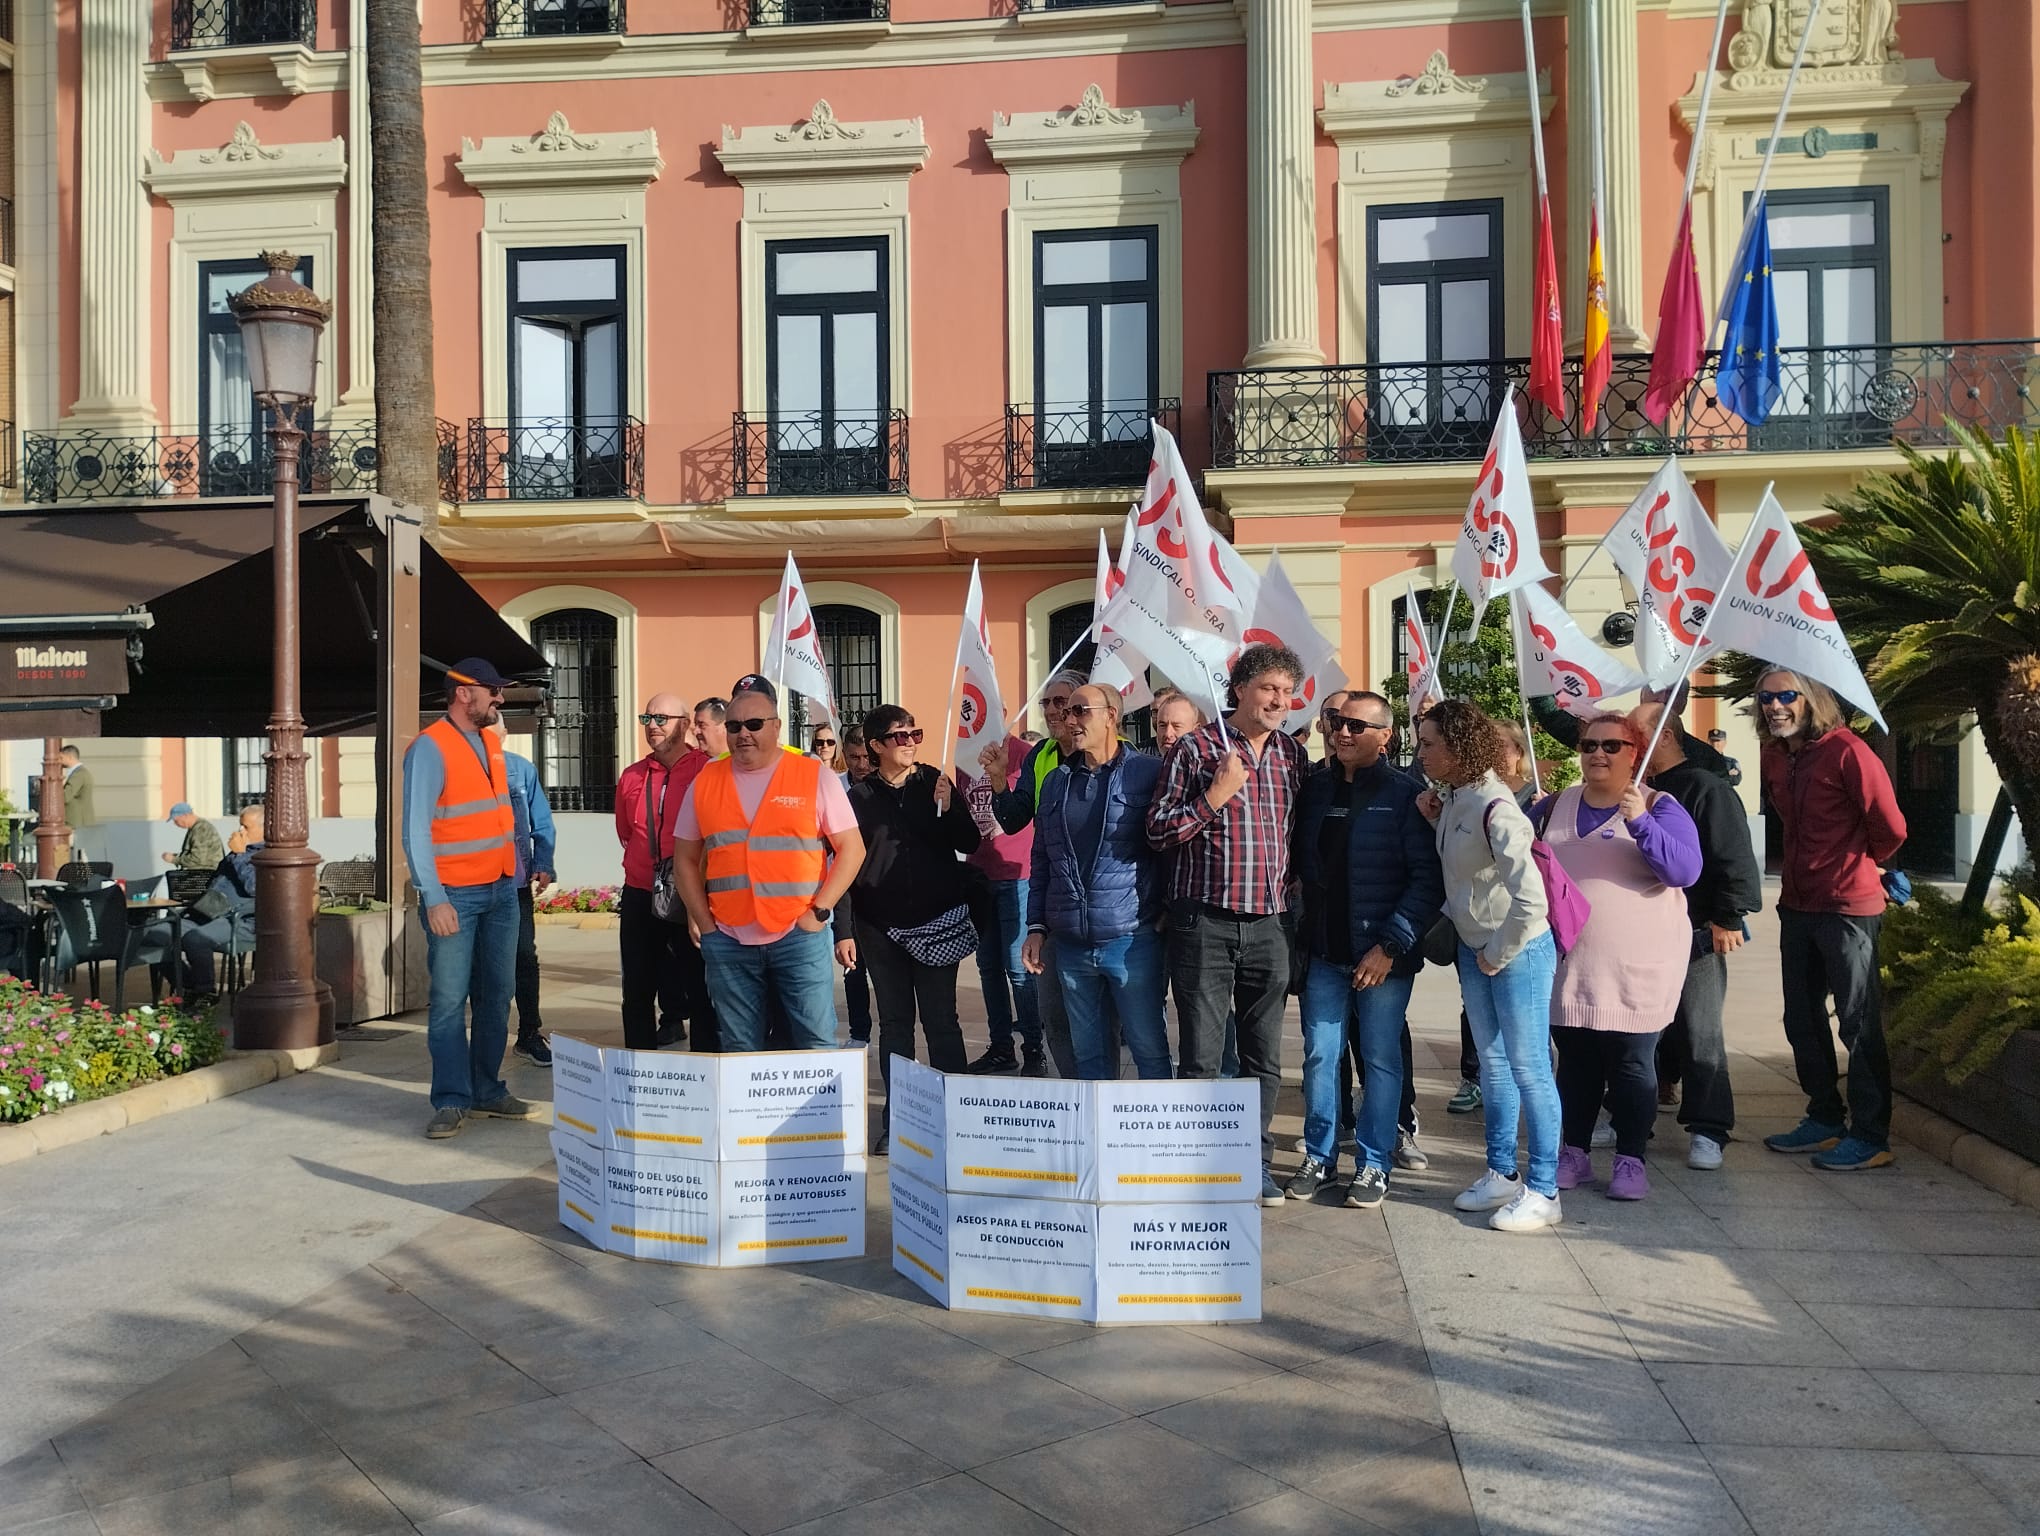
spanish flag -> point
(1595, 366)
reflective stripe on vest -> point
(473, 827)
(764, 871)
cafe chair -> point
(95, 921)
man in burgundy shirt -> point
(1224, 806)
(1841, 823)
(661, 966)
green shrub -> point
(1959, 988)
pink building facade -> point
(899, 286)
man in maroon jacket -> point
(662, 974)
(1842, 823)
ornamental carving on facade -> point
(1847, 35)
(241, 149)
(1090, 112)
(557, 138)
(821, 125)
(1437, 79)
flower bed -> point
(585, 898)
(55, 1052)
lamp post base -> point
(280, 1015)
(286, 1007)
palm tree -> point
(406, 422)
(1934, 573)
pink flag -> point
(1681, 328)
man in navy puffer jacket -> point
(1368, 865)
(1095, 886)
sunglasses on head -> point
(745, 727)
(1608, 744)
(905, 738)
(1348, 725)
(1785, 696)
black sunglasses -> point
(656, 719)
(1610, 744)
(1785, 696)
(912, 738)
(1085, 711)
(1346, 725)
(747, 727)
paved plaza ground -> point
(286, 1312)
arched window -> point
(576, 751)
(851, 651)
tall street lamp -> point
(286, 1007)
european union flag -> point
(1748, 382)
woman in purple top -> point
(1631, 851)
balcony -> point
(94, 466)
(242, 23)
(801, 454)
(553, 18)
(817, 13)
(8, 478)
(552, 458)
(1083, 447)
(1835, 399)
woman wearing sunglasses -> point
(1632, 852)
(907, 909)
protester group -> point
(1223, 871)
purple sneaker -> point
(1575, 1167)
(1629, 1181)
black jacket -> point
(1565, 730)
(1731, 882)
(911, 874)
(1394, 887)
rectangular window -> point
(233, 436)
(568, 430)
(1096, 354)
(1831, 277)
(827, 365)
(247, 776)
(1434, 327)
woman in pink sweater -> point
(1631, 851)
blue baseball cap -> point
(181, 808)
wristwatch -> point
(823, 915)
(1393, 948)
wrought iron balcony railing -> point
(1833, 399)
(1062, 5)
(221, 461)
(1081, 447)
(7, 475)
(553, 18)
(808, 13)
(552, 458)
(801, 454)
(6, 231)
(450, 478)
(6, 21)
(241, 23)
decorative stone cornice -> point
(1435, 98)
(1094, 130)
(245, 167)
(279, 69)
(558, 156)
(1850, 95)
(822, 145)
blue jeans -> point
(1374, 1017)
(1121, 978)
(799, 969)
(473, 971)
(1511, 1019)
(1008, 985)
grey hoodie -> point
(1494, 893)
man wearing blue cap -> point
(459, 839)
(202, 847)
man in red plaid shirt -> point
(1224, 808)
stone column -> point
(1282, 288)
(1630, 309)
(358, 398)
(114, 326)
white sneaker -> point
(1527, 1213)
(1703, 1152)
(1488, 1192)
(1604, 1131)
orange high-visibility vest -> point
(472, 825)
(767, 870)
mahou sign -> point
(65, 667)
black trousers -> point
(1611, 1065)
(857, 999)
(1694, 1051)
(663, 982)
(1823, 954)
(1469, 1054)
(527, 967)
(1055, 1019)
(1222, 962)
(903, 987)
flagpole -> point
(1536, 114)
(956, 666)
(1693, 171)
(1770, 153)
(1430, 678)
(785, 629)
(1523, 697)
(1597, 223)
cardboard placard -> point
(792, 1212)
(918, 1128)
(1036, 1258)
(1179, 1263)
(792, 1104)
(580, 1091)
(660, 1207)
(1179, 1141)
(583, 1186)
(661, 1103)
(920, 1225)
(1019, 1136)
